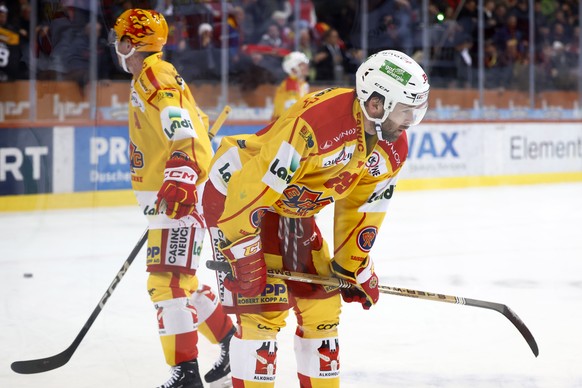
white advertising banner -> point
(444, 150)
(532, 148)
(493, 149)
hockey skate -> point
(218, 376)
(184, 375)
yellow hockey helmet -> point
(147, 29)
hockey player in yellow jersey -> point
(337, 146)
(169, 159)
(296, 65)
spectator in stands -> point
(331, 59)
(562, 72)
(202, 63)
(271, 52)
(307, 47)
(9, 48)
(489, 19)
(285, 33)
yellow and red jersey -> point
(164, 120)
(312, 156)
(287, 93)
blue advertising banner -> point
(26, 161)
(101, 159)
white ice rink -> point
(516, 245)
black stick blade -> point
(518, 323)
(509, 314)
(42, 364)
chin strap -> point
(124, 57)
(377, 122)
(378, 126)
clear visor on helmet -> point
(408, 115)
(112, 37)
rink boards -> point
(80, 166)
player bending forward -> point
(169, 157)
(339, 146)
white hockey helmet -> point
(292, 61)
(396, 77)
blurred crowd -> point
(261, 32)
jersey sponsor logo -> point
(282, 168)
(366, 238)
(302, 201)
(329, 362)
(373, 159)
(263, 327)
(385, 194)
(153, 255)
(275, 289)
(395, 154)
(348, 133)
(136, 102)
(266, 361)
(143, 85)
(177, 246)
(150, 211)
(257, 215)
(343, 157)
(327, 326)
(164, 94)
(307, 136)
(176, 122)
(376, 164)
(326, 145)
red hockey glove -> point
(365, 284)
(177, 197)
(249, 270)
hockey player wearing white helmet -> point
(400, 85)
(296, 65)
(336, 146)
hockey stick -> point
(49, 363)
(223, 266)
(219, 121)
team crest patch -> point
(257, 216)
(366, 238)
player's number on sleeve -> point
(341, 182)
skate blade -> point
(224, 382)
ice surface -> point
(516, 245)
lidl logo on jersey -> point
(282, 168)
(176, 123)
(433, 145)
